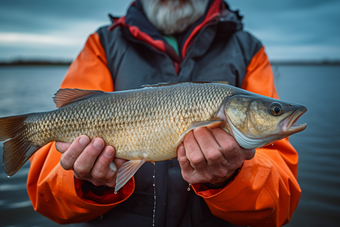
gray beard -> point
(175, 16)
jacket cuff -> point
(101, 194)
(207, 190)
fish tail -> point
(17, 149)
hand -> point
(90, 160)
(210, 156)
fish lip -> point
(288, 126)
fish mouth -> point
(289, 126)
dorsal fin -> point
(164, 84)
(66, 96)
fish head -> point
(256, 120)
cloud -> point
(27, 39)
(294, 29)
(288, 29)
(53, 29)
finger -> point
(232, 151)
(229, 142)
(183, 161)
(193, 152)
(226, 141)
(117, 162)
(61, 146)
(85, 161)
(249, 154)
(222, 137)
(101, 169)
(69, 157)
(209, 146)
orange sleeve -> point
(52, 190)
(89, 70)
(265, 192)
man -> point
(169, 41)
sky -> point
(57, 30)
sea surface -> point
(26, 89)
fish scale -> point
(137, 124)
(147, 124)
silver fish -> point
(148, 124)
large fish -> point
(148, 124)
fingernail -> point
(98, 143)
(113, 167)
(108, 153)
(84, 140)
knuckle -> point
(98, 174)
(197, 160)
(181, 159)
(92, 151)
(214, 155)
(76, 147)
(230, 144)
(109, 177)
(222, 172)
(237, 163)
(208, 178)
(233, 145)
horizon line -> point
(68, 62)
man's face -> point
(173, 16)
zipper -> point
(190, 46)
(133, 39)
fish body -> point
(148, 124)
(141, 124)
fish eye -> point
(276, 109)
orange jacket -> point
(264, 193)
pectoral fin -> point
(208, 124)
(126, 171)
(198, 124)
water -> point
(317, 87)
(30, 89)
(23, 90)
(154, 195)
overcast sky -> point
(57, 30)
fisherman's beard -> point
(171, 17)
